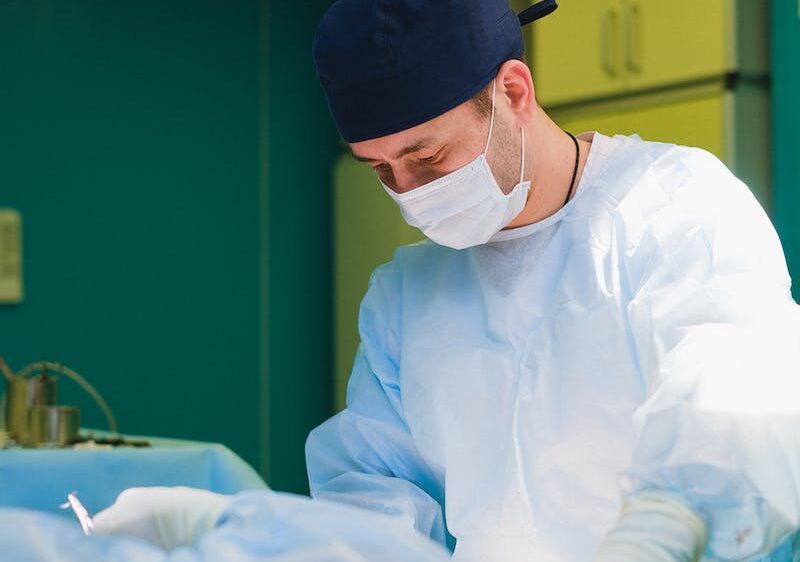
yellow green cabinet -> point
(679, 71)
(576, 51)
(665, 42)
(367, 229)
(693, 122)
(592, 49)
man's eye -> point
(430, 159)
(382, 167)
(433, 158)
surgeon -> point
(594, 356)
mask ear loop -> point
(491, 121)
(522, 163)
(491, 128)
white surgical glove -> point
(166, 517)
(657, 527)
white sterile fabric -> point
(166, 517)
(257, 527)
(641, 339)
(466, 207)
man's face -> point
(416, 156)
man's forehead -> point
(366, 151)
(426, 135)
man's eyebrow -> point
(361, 158)
(417, 146)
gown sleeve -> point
(716, 335)
(366, 454)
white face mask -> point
(464, 208)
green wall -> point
(785, 36)
(171, 163)
(302, 147)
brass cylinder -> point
(53, 425)
(23, 394)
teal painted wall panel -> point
(172, 163)
(302, 149)
(128, 141)
(785, 36)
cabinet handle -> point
(633, 22)
(608, 42)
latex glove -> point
(657, 527)
(166, 517)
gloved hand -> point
(654, 526)
(166, 517)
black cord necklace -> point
(575, 169)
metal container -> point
(53, 425)
(23, 394)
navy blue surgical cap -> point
(388, 65)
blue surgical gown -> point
(511, 395)
(258, 526)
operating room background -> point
(170, 161)
(195, 237)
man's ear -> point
(515, 85)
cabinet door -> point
(668, 42)
(368, 227)
(609, 124)
(695, 122)
(577, 52)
